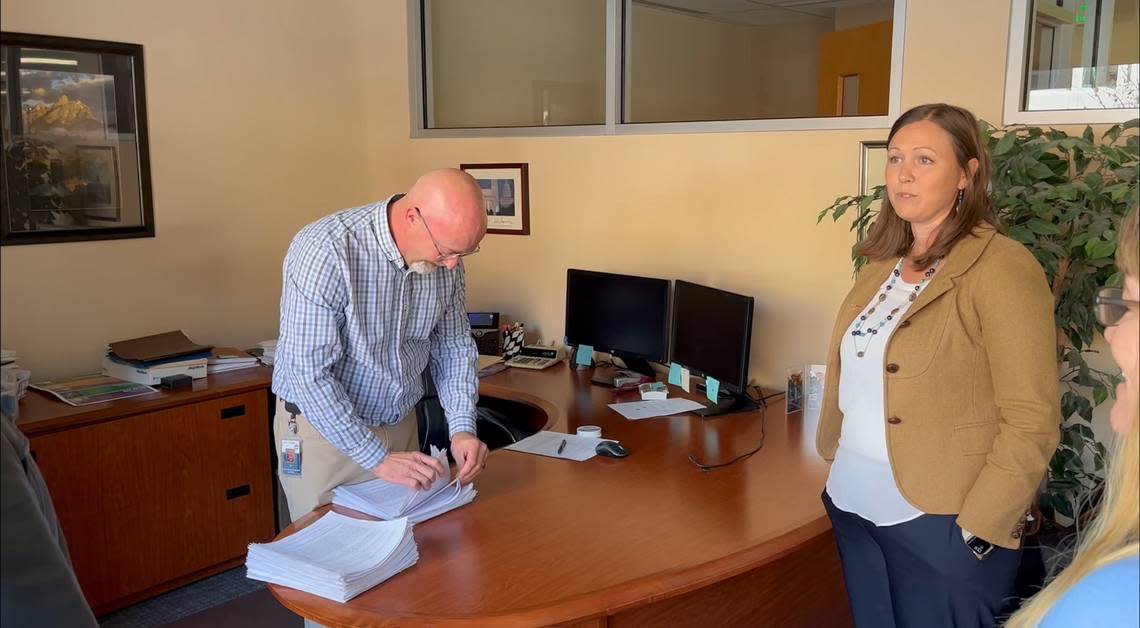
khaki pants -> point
(323, 466)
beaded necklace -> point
(873, 328)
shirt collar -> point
(384, 233)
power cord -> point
(744, 456)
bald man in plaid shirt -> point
(371, 296)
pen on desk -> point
(562, 446)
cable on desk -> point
(744, 456)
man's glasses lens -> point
(1109, 307)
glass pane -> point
(694, 60)
(1083, 54)
(504, 63)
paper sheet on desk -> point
(635, 410)
(544, 443)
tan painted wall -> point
(254, 134)
(264, 115)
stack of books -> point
(223, 359)
(149, 359)
(266, 350)
(337, 557)
(390, 501)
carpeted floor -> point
(226, 600)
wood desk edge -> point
(579, 608)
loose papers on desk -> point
(635, 410)
(545, 443)
(389, 501)
(337, 557)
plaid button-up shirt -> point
(358, 328)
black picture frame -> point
(74, 156)
(514, 180)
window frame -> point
(419, 91)
(1017, 57)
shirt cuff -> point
(461, 424)
(369, 454)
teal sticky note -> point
(712, 388)
(584, 356)
(675, 374)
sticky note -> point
(675, 374)
(584, 356)
(686, 381)
(712, 388)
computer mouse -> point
(610, 449)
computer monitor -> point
(623, 315)
(712, 334)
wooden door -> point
(862, 54)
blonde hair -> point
(1115, 532)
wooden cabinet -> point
(157, 491)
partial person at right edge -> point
(1102, 585)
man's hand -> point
(409, 468)
(470, 455)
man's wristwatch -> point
(979, 546)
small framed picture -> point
(506, 196)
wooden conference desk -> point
(643, 541)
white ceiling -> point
(761, 12)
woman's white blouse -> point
(861, 481)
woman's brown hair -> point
(891, 236)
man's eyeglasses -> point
(1109, 307)
(442, 257)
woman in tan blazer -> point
(941, 404)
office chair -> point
(492, 426)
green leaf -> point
(1100, 393)
(1116, 280)
(1041, 227)
(1021, 234)
(1099, 249)
(1005, 143)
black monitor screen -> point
(618, 314)
(712, 332)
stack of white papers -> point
(268, 351)
(390, 501)
(223, 359)
(337, 557)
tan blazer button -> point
(892, 368)
(904, 324)
(894, 420)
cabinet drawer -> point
(151, 498)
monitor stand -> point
(604, 375)
(728, 403)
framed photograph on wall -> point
(872, 166)
(75, 160)
(506, 196)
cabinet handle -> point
(235, 411)
(237, 491)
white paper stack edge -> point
(337, 557)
